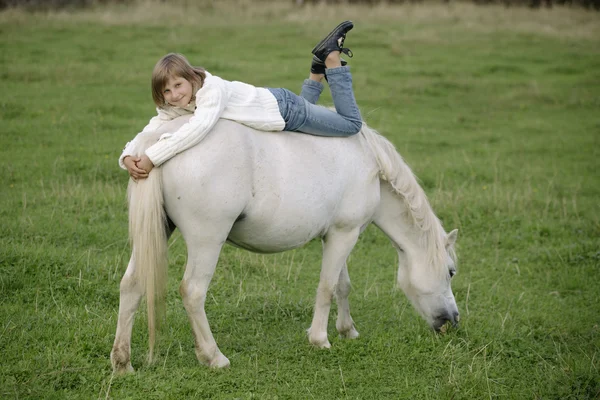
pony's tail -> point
(148, 237)
(401, 178)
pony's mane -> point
(398, 174)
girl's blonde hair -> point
(174, 65)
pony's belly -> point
(268, 236)
(262, 247)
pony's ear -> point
(451, 238)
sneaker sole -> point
(320, 45)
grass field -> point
(496, 110)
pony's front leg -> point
(198, 274)
(131, 294)
(337, 245)
(344, 324)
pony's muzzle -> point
(440, 323)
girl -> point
(179, 89)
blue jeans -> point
(301, 114)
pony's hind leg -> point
(337, 245)
(344, 324)
(131, 294)
(200, 268)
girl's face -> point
(178, 91)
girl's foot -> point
(333, 60)
(333, 42)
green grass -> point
(496, 110)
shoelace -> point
(343, 49)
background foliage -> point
(497, 111)
(53, 4)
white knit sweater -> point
(218, 98)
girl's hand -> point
(145, 164)
(134, 170)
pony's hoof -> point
(220, 361)
(123, 369)
(120, 362)
(322, 344)
(350, 334)
(319, 340)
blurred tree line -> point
(54, 4)
(590, 4)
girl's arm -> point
(211, 100)
(155, 123)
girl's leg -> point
(302, 116)
(346, 121)
(311, 90)
(326, 54)
(313, 87)
(340, 84)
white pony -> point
(270, 192)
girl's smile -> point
(178, 92)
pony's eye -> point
(452, 273)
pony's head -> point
(425, 273)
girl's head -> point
(174, 66)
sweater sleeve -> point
(211, 100)
(155, 123)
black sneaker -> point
(318, 66)
(334, 42)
